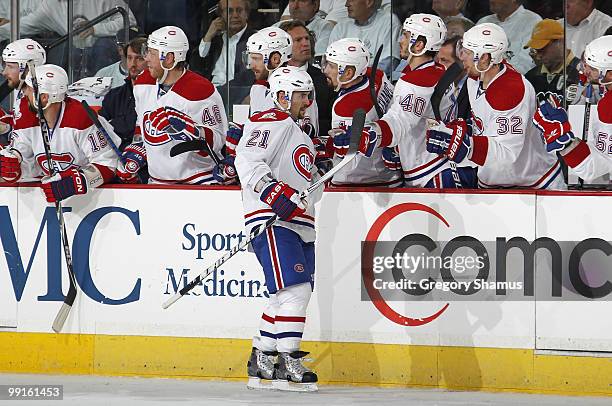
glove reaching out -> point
(368, 140)
(135, 158)
(553, 122)
(64, 184)
(232, 138)
(178, 125)
(453, 140)
(225, 172)
(10, 165)
(283, 199)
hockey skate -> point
(291, 375)
(260, 369)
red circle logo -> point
(486, 32)
(172, 32)
(427, 19)
(352, 48)
(368, 272)
(610, 53)
(303, 159)
(272, 34)
(49, 74)
(30, 47)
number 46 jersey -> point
(273, 143)
(195, 96)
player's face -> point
(330, 70)
(10, 72)
(29, 94)
(405, 45)
(300, 101)
(592, 75)
(151, 57)
(256, 62)
(467, 59)
(135, 63)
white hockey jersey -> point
(272, 142)
(405, 124)
(507, 146)
(195, 96)
(74, 141)
(592, 161)
(364, 171)
(261, 100)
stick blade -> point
(171, 301)
(359, 117)
(188, 146)
(61, 317)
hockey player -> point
(170, 93)
(404, 126)
(585, 160)
(275, 161)
(81, 155)
(345, 65)
(501, 138)
(15, 58)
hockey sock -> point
(266, 340)
(291, 316)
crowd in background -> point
(546, 43)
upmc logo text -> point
(584, 279)
(81, 245)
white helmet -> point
(52, 80)
(23, 51)
(486, 38)
(348, 52)
(426, 25)
(598, 55)
(289, 79)
(268, 41)
(169, 39)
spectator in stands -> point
(449, 8)
(518, 24)
(302, 57)
(447, 54)
(306, 12)
(546, 44)
(375, 26)
(118, 105)
(119, 70)
(584, 24)
(333, 11)
(214, 52)
(51, 15)
(456, 26)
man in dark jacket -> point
(215, 50)
(118, 105)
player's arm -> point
(212, 115)
(253, 154)
(406, 110)
(17, 153)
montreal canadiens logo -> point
(272, 34)
(352, 48)
(610, 53)
(478, 125)
(30, 47)
(427, 19)
(172, 32)
(486, 32)
(303, 160)
(64, 161)
(49, 74)
(298, 268)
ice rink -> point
(95, 390)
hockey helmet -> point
(347, 52)
(426, 25)
(598, 55)
(52, 80)
(23, 51)
(289, 79)
(267, 41)
(486, 38)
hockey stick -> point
(62, 315)
(94, 117)
(586, 121)
(373, 71)
(194, 145)
(436, 98)
(358, 123)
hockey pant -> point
(444, 179)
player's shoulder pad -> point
(75, 115)
(145, 78)
(25, 118)
(269, 116)
(507, 91)
(346, 104)
(604, 108)
(426, 77)
(193, 87)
